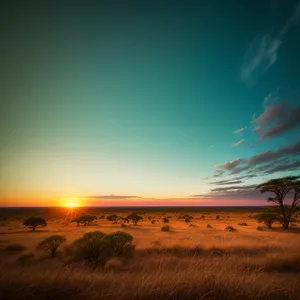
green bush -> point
(51, 244)
(121, 244)
(96, 248)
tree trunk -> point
(286, 224)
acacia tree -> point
(280, 187)
(33, 222)
(51, 243)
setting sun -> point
(71, 203)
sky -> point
(147, 102)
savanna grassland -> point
(190, 260)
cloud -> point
(269, 156)
(240, 130)
(232, 192)
(225, 182)
(278, 160)
(260, 57)
(231, 164)
(113, 197)
(239, 143)
(263, 51)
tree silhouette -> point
(51, 243)
(280, 187)
(34, 222)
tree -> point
(86, 220)
(121, 243)
(34, 222)
(113, 218)
(280, 187)
(135, 218)
(51, 243)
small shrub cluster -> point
(165, 228)
(243, 224)
(230, 228)
(97, 248)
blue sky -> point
(144, 98)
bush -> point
(112, 218)
(149, 218)
(267, 217)
(96, 248)
(34, 222)
(217, 217)
(187, 220)
(230, 228)
(135, 218)
(92, 248)
(153, 221)
(123, 225)
(101, 217)
(243, 224)
(121, 244)
(166, 220)
(209, 226)
(51, 244)
(26, 258)
(165, 228)
(85, 220)
(260, 228)
(14, 248)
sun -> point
(71, 203)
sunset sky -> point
(147, 102)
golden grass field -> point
(189, 262)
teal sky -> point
(143, 98)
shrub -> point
(96, 248)
(149, 218)
(187, 220)
(135, 218)
(192, 225)
(230, 228)
(25, 258)
(260, 228)
(51, 244)
(85, 220)
(166, 220)
(34, 222)
(123, 225)
(209, 226)
(153, 221)
(92, 248)
(267, 217)
(14, 248)
(101, 217)
(217, 217)
(121, 244)
(165, 228)
(112, 218)
(203, 217)
(243, 224)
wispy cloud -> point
(263, 51)
(231, 164)
(239, 143)
(240, 130)
(276, 119)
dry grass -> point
(186, 263)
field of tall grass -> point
(187, 262)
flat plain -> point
(190, 261)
